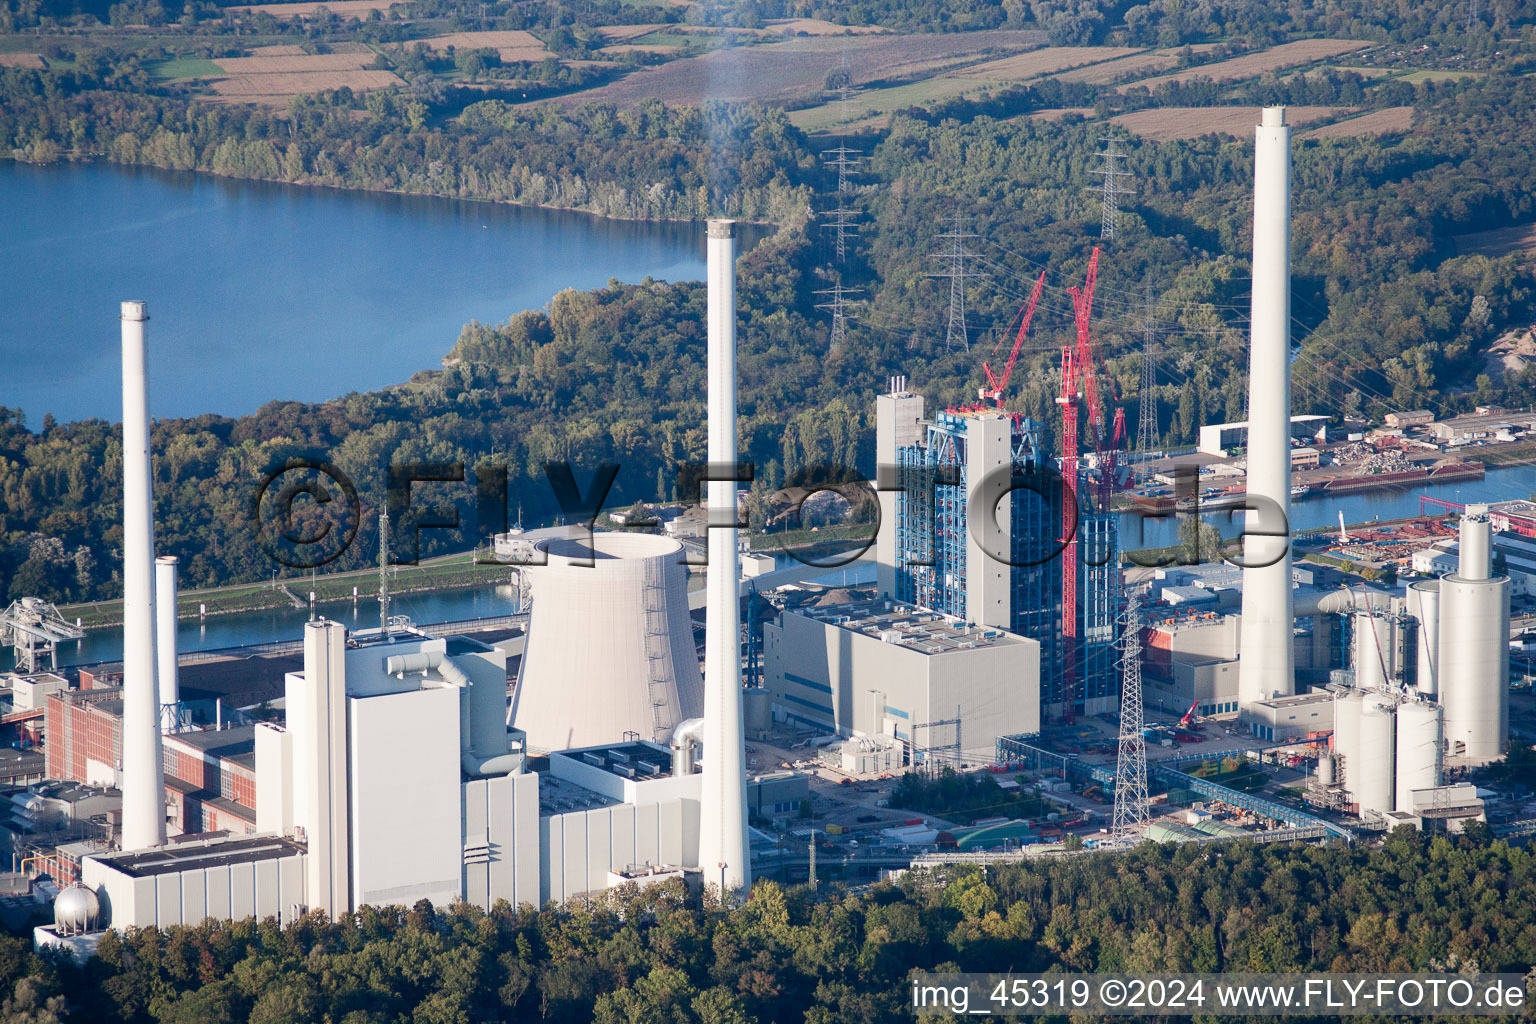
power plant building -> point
(400, 772)
(884, 671)
(1007, 574)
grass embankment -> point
(438, 574)
(802, 540)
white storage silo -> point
(1418, 750)
(610, 645)
(1325, 776)
(1346, 731)
(1370, 776)
(1374, 666)
(1424, 606)
(1474, 665)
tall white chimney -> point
(168, 678)
(143, 773)
(1475, 557)
(1266, 665)
(722, 818)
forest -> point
(840, 956)
(1390, 309)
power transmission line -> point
(955, 257)
(1112, 189)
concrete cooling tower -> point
(610, 646)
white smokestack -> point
(165, 641)
(1266, 664)
(1475, 558)
(723, 822)
(143, 773)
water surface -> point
(259, 291)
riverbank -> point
(450, 573)
(591, 211)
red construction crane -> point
(995, 386)
(1076, 380)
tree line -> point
(789, 955)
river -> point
(1496, 485)
(260, 291)
(484, 601)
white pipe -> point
(165, 641)
(723, 823)
(1341, 602)
(687, 735)
(1266, 667)
(143, 772)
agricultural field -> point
(1039, 63)
(626, 33)
(184, 67)
(1506, 241)
(1431, 75)
(340, 8)
(22, 60)
(1388, 121)
(952, 84)
(1128, 67)
(275, 89)
(1166, 123)
(514, 45)
(288, 64)
(796, 69)
(1058, 113)
(1252, 65)
(817, 27)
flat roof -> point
(1297, 699)
(561, 796)
(237, 744)
(636, 761)
(210, 853)
(907, 626)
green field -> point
(185, 67)
(883, 101)
(678, 39)
(1427, 75)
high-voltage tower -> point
(837, 305)
(955, 255)
(841, 218)
(1131, 802)
(1111, 190)
(1146, 426)
(843, 160)
(841, 224)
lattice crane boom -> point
(997, 385)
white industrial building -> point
(880, 670)
(1220, 439)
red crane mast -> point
(1077, 379)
